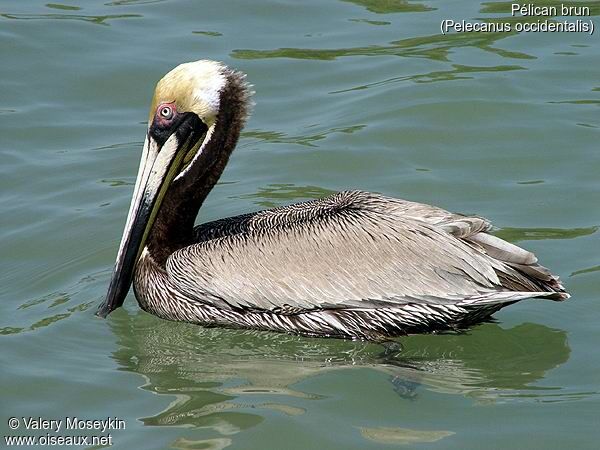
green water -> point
(349, 94)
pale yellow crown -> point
(193, 87)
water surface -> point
(349, 94)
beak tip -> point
(103, 311)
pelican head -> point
(197, 112)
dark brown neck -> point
(174, 224)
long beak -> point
(158, 167)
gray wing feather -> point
(502, 250)
(353, 249)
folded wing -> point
(355, 250)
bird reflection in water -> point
(223, 379)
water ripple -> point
(436, 47)
(391, 6)
(98, 20)
(535, 234)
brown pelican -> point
(353, 265)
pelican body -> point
(352, 265)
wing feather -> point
(353, 249)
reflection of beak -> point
(158, 167)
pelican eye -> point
(166, 112)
